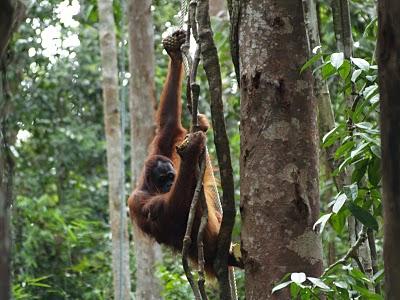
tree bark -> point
(115, 161)
(279, 160)
(389, 84)
(142, 108)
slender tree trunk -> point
(344, 41)
(115, 161)
(6, 180)
(279, 161)
(389, 84)
(11, 14)
(142, 107)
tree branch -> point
(351, 253)
(213, 73)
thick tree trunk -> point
(279, 161)
(115, 161)
(142, 108)
(389, 84)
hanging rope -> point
(122, 211)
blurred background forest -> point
(61, 232)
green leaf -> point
(281, 286)
(362, 148)
(359, 170)
(345, 163)
(366, 137)
(344, 69)
(337, 59)
(327, 70)
(344, 148)
(363, 216)
(374, 174)
(367, 127)
(338, 221)
(40, 284)
(332, 135)
(310, 62)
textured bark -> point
(279, 161)
(115, 161)
(142, 107)
(389, 84)
(342, 26)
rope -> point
(182, 13)
(122, 94)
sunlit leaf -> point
(341, 284)
(298, 277)
(339, 203)
(332, 136)
(355, 75)
(360, 63)
(281, 286)
(360, 149)
(316, 48)
(319, 283)
(322, 222)
(337, 59)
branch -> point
(187, 239)
(234, 15)
(213, 73)
(351, 253)
(200, 237)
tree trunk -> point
(11, 14)
(279, 161)
(389, 84)
(115, 161)
(142, 107)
